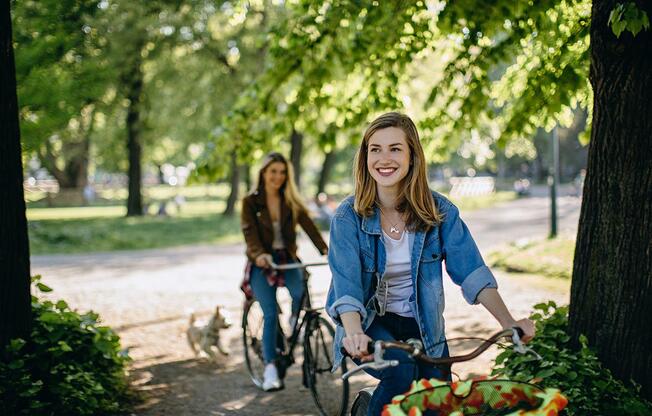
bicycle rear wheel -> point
(329, 391)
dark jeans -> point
(397, 380)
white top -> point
(398, 271)
(278, 243)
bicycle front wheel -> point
(329, 391)
(252, 338)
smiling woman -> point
(388, 244)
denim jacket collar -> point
(371, 225)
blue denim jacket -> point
(351, 260)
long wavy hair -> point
(415, 198)
(289, 189)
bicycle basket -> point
(486, 397)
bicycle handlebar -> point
(415, 349)
(291, 266)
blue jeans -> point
(266, 296)
(397, 380)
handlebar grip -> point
(370, 349)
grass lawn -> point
(104, 227)
(553, 258)
(88, 229)
(484, 201)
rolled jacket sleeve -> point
(464, 263)
(345, 293)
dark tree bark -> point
(15, 300)
(329, 162)
(74, 156)
(612, 271)
(246, 175)
(74, 174)
(134, 83)
(296, 139)
(235, 184)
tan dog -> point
(207, 335)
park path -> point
(147, 296)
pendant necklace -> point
(392, 228)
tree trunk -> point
(296, 139)
(74, 155)
(612, 271)
(235, 184)
(134, 83)
(329, 162)
(15, 298)
(246, 174)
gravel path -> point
(147, 297)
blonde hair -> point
(415, 198)
(288, 189)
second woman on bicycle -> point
(388, 242)
(270, 214)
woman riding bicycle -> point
(269, 217)
(388, 242)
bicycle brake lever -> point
(379, 363)
(373, 365)
(521, 348)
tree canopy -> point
(505, 72)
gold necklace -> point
(392, 228)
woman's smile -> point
(386, 171)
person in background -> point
(270, 214)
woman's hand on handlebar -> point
(264, 260)
(527, 326)
(356, 345)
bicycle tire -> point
(329, 392)
(361, 402)
(252, 339)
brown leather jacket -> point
(259, 232)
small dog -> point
(208, 335)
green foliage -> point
(507, 71)
(590, 388)
(522, 65)
(60, 68)
(329, 65)
(70, 365)
(626, 16)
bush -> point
(590, 388)
(70, 365)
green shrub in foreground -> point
(590, 388)
(70, 365)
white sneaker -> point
(271, 382)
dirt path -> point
(147, 296)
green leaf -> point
(43, 288)
(64, 346)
